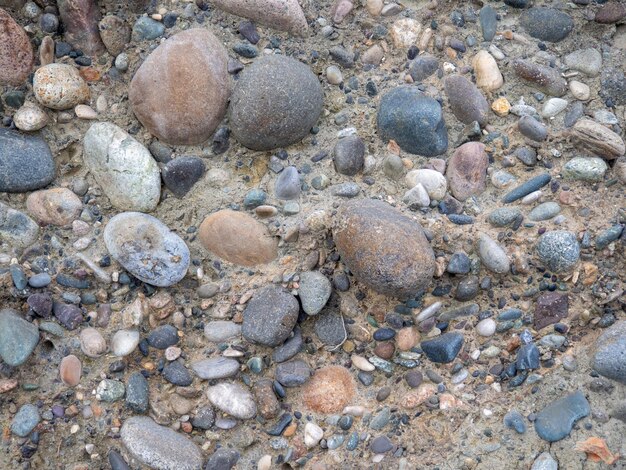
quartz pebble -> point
(59, 86)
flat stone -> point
(283, 15)
(492, 255)
(222, 459)
(532, 128)
(443, 349)
(26, 162)
(70, 370)
(287, 186)
(110, 391)
(381, 445)
(137, 393)
(467, 102)
(330, 328)
(547, 24)
(527, 357)
(558, 250)
(611, 12)
(124, 342)
(16, 228)
(551, 307)
(25, 420)
(556, 420)
(233, 400)
(270, 316)
(467, 170)
(544, 211)
(422, 67)
(181, 174)
(176, 373)
(204, 418)
(215, 368)
(314, 291)
(610, 356)
(219, 330)
(591, 169)
(293, 373)
(163, 337)
(92, 343)
(514, 420)
(18, 338)
(16, 52)
(59, 86)
(488, 22)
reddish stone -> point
(385, 350)
(551, 307)
(70, 370)
(467, 170)
(16, 53)
(610, 13)
(80, 18)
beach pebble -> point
(59, 86)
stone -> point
(147, 29)
(293, 373)
(124, 342)
(137, 392)
(26, 162)
(533, 129)
(163, 337)
(545, 461)
(16, 52)
(514, 420)
(25, 420)
(159, 447)
(219, 331)
(115, 34)
(70, 370)
(488, 76)
(610, 356)
(92, 343)
(547, 24)
(443, 349)
(110, 391)
(597, 139)
(232, 399)
(413, 120)
(59, 86)
(553, 107)
(349, 155)
(188, 102)
(587, 61)
(611, 12)
(526, 155)
(314, 291)
(288, 184)
(504, 216)
(527, 357)
(147, 248)
(530, 186)
(313, 434)
(608, 236)
(177, 374)
(30, 117)
(416, 197)
(486, 327)
(330, 329)
(18, 338)
(80, 19)
(544, 211)
(215, 368)
(407, 338)
(467, 170)
(551, 308)
(222, 459)
(70, 316)
(57, 206)
(270, 316)
(556, 420)
(492, 255)
(283, 15)
(433, 182)
(501, 107)
(289, 348)
(466, 101)
(124, 169)
(459, 263)
(16, 228)
(204, 418)
(385, 250)
(262, 117)
(405, 32)
(558, 250)
(546, 79)
(181, 174)
(381, 445)
(488, 22)
(330, 390)
(619, 170)
(422, 67)
(237, 238)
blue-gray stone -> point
(289, 348)
(246, 50)
(330, 328)
(293, 373)
(18, 338)
(270, 316)
(414, 120)
(443, 349)
(514, 420)
(545, 211)
(137, 392)
(163, 337)
(381, 419)
(488, 22)
(278, 428)
(347, 190)
(526, 155)
(335, 441)
(254, 198)
(608, 236)
(26, 162)
(204, 418)
(287, 184)
(179, 175)
(504, 216)
(381, 364)
(527, 357)
(533, 129)
(353, 441)
(610, 357)
(556, 420)
(314, 291)
(547, 24)
(384, 334)
(381, 445)
(459, 263)
(222, 459)
(146, 28)
(526, 188)
(558, 250)
(423, 67)
(20, 281)
(16, 228)
(25, 420)
(510, 314)
(517, 3)
(117, 462)
(39, 280)
(177, 374)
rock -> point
(432, 181)
(422, 67)
(384, 249)
(268, 405)
(147, 29)
(488, 22)
(57, 206)
(181, 174)
(556, 420)
(16, 228)
(587, 61)
(504, 216)
(232, 399)
(288, 184)
(579, 90)
(159, 447)
(546, 79)
(283, 15)
(110, 391)
(405, 32)
(558, 250)
(116, 160)
(611, 12)
(547, 24)
(527, 357)
(340, 10)
(381, 445)
(18, 338)
(467, 170)
(30, 117)
(374, 7)
(25, 420)
(137, 392)
(70, 316)
(545, 461)
(289, 348)
(314, 291)
(270, 316)
(92, 343)
(467, 102)
(551, 307)
(80, 19)
(608, 236)
(486, 327)
(215, 368)
(177, 374)
(313, 434)
(293, 373)
(262, 117)
(610, 355)
(147, 248)
(26, 162)
(219, 331)
(204, 418)
(533, 129)
(124, 342)
(553, 107)
(590, 169)
(492, 255)
(514, 420)
(526, 155)
(413, 120)
(330, 329)
(16, 52)
(488, 76)
(59, 86)
(330, 390)
(70, 370)
(597, 139)
(443, 349)
(237, 238)
(349, 155)
(188, 102)
(530, 186)
(545, 211)
(115, 34)
(222, 459)
(416, 197)
(619, 170)
(163, 337)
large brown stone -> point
(467, 170)
(80, 18)
(181, 91)
(466, 100)
(385, 250)
(16, 52)
(330, 390)
(238, 238)
(284, 15)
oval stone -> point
(467, 102)
(57, 206)
(147, 248)
(284, 15)
(180, 92)
(26, 162)
(467, 170)
(70, 370)
(16, 53)
(270, 316)
(385, 250)
(59, 86)
(233, 400)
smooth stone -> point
(68, 315)
(115, 34)
(288, 184)
(124, 342)
(57, 206)
(70, 370)
(552, 341)
(432, 181)
(270, 316)
(188, 102)
(545, 211)
(610, 356)
(181, 174)
(215, 368)
(414, 120)
(289, 348)
(18, 338)
(30, 117)
(177, 374)
(488, 75)
(25, 420)
(237, 238)
(591, 169)
(334, 75)
(16, 228)
(232, 399)
(123, 168)
(262, 116)
(254, 198)
(219, 331)
(80, 21)
(347, 190)
(553, 107)
(422, 67)
(488, 22)
(467, 170)
(611, 12)
(59, 86)
(517, 3)
(159, 447)
(580, 90)
(163, 337)
(116, 461)
(222, 459)
(110, 391)
(504, 216)
(607, 236)
(146, 29)
(39, 280)
(283, 15)
(384, 249)
(293, 373)
(587, 61)
(26, 162)
(545, 461)
(533, 129)
(330, 329)
(459, 263)
(527, 357)
(556, 420)
(486, 327)
(137, 393)
(204, 418)
(443, 349)
(547, 24)
(16, 52)
(330, 390)
(550, 308)
(514, 420)
(349, 155)
(558, 250)
(313, 434)
(92, 343)
(466, 100)
(492, 255)
(314, 291)
(147, 248)
(416, 197)
(381, 445)
(526, 155)
(530, 186)
(545, 79)
(467, 289)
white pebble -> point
(486, 327)
(312, 435)
(362, 363)
(333, 75)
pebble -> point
(39, 280)
(348, 155)
(313, 434)
(591, 169)
(16, 228)
(283, 15)
(115, 34)
(488, 76)
(223, 459)
(530, 186)
(466, 101)
(289, 348)
(237, 238)
(414, 120)
(533, 129)
(405, 32)
(556, 420)
(422, 67)
(467, 170)
(609, 235)
(137, 392)
(493, 255)
(545, 211)
(219, 331)
(124, 342)
(204, 419)
(553, 107)
(334, 75)
(550, 308)
(270, 316)
(558, 250)
(70, 370)
(381, 445)
(110, 390)
(92, 343)
(59, 86)
(597, 139)
(514, 420)
(26, 162)
(181, 174)
(57, 206)
(177, 374)
(547, 24)
(146, 29)
(366, 228)
(486, 327)
(580, 90)
(314, 291)
(262, 117)
(215, 368)
(527, 357)
(329, 390)
(416, 197)
(293, 373)
(25, 420)
(147, 248)
(504, 216)
(432, 181)
(488, 22)
(545, 79)
(18, 338)
(16, 52)
(232, 399)
(288, 184)
(545, 461)
(444, 348)
(608, 359)
(30, 117)
(116, 160)
(611, 12)
(182, 108)
(163, 337)
(159, 446)
(330, 329)
(587, 61)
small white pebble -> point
(85, 112)
(74, 429)
(487, 413)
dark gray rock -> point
(222, 459)
(177, 374)
(517, 3)
(117, 462)
(204, 418)
(70, 316)
(26, 162)
(556, 420)
(179, 175)
(459, 263)
(610, 356)
(533, 129)
(613, 85)
(293, 373)
(349, 155)
(16, 228)
(466, 100)
(574, 113)
(289, 348)
(488, 22)
(330, 328)
(467, 289)
(423, 67)
(558, 250)
(137, 392)
(443, 349)
(270, 316)
(609, 235)
(146, 29)
(314, 291)
(504, 216)
(546, 79)
(526, 155)
(547, 24)
(527, 357)
(163, 337)
(527, 187)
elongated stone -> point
(546, 79)
(283, 15)
(526, 188)
(80, 18)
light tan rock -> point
(488, 76)
(57, 206)
(405, 32)
(30, 117)
(580, 91)
(59, 86)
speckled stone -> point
(466, 101)
(547, 24)
(558, 250)
(232, 399)
(26, 162)
(270, 316)
(59, 86)
(16, 52)
(556, 420)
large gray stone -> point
(25, 162)
(610, 357)
(16, 228)
(270, 316)
(18, 337)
